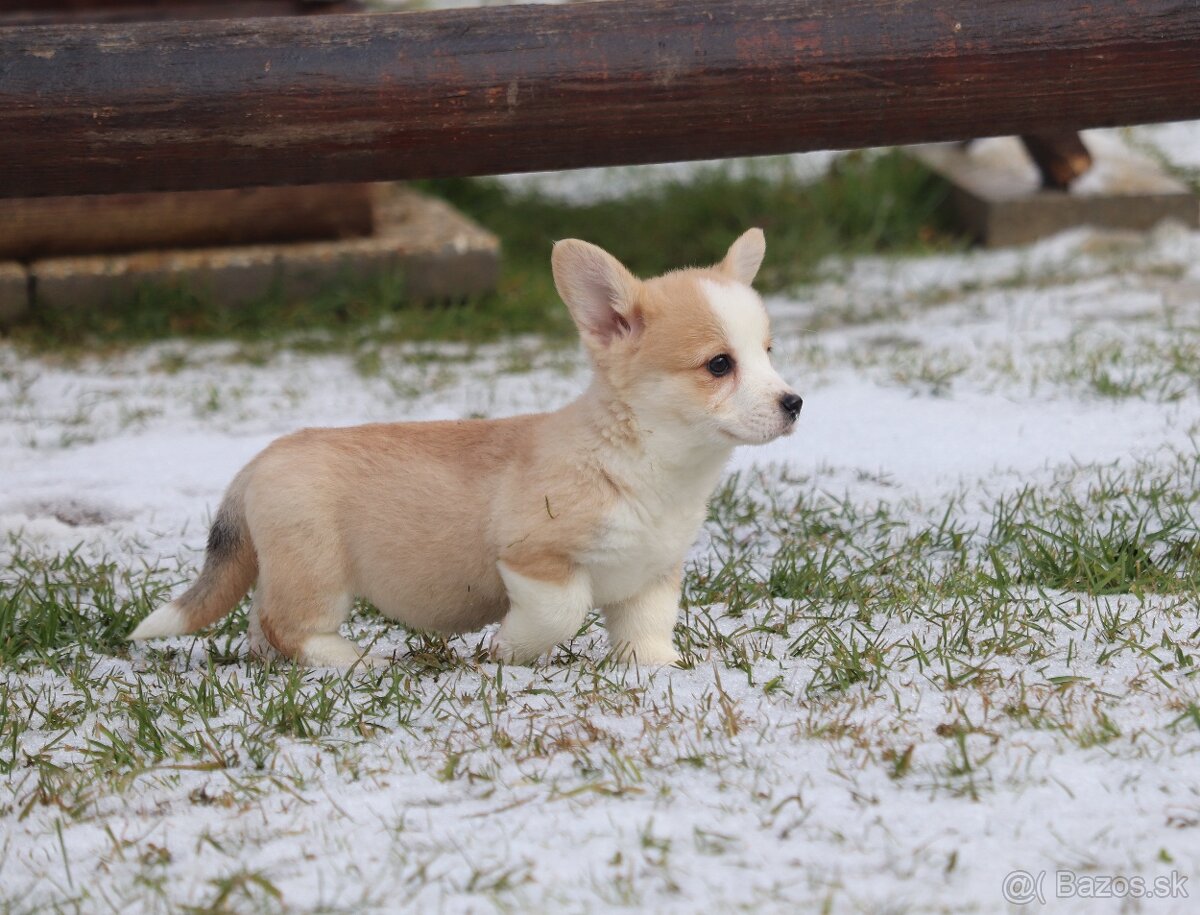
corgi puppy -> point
(532, 521)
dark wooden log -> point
(69, 7)
(41, 12)
(1059, 157)
(161, 106)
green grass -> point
(47, 603)
(868, 204)
(1189, 175)
(1156, 369)
(352, 315)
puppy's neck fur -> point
(617, 420)
(649, 459)
(610, 416)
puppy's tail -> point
(230, 568)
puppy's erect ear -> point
(599, 291)
(745, 256)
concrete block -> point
(436, 252)
(999, 198)
(14, 291)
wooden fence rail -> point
(296, 100)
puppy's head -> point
(689, 349)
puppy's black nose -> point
(791, 404)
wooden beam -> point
(188, 105)
(42, 12)
(56, 226)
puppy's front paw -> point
(502, 650)
(648, 655)
(498, 651)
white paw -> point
(501, 649)
(648, 655)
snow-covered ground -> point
(895, 754)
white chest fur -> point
(650, 529)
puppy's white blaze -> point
(753, 407)
(165, 621)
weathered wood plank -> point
(40, 12)
(187, 105)
(98, 224)
(433, 251)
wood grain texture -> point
(96, 224)
(40, 12)
(188, 105)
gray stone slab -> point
(999, 199)
(435, 251)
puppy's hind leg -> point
(260, 645)
(301, 622)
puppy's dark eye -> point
(720, 365)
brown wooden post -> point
(1060, 157)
